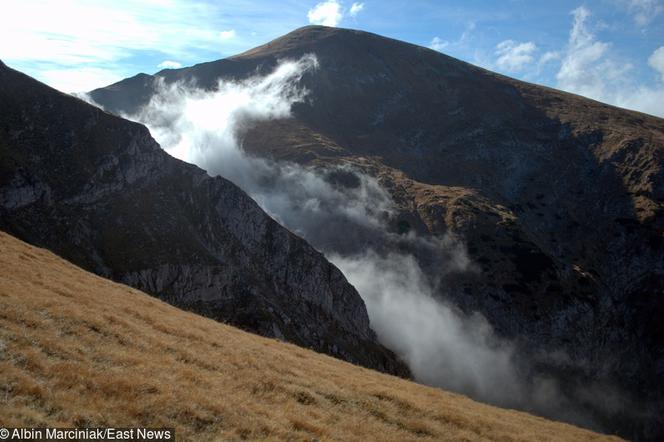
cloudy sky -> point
(610, 50)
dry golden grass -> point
(78, 350)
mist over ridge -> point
(346, 214)
(465, 199)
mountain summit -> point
(558, 198)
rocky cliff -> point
(558, 198)
(100, 192)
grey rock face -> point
(100, 192)
(559, 199)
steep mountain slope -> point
(99, 191)
(79, 350)
(558, 198)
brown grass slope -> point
(80, 350)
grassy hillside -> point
(78, 350)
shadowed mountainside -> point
(99, 191)
(558, 198)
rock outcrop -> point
(559, 198)
(100, 192)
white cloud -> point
(648, 99)
(544, 60)
(467, 33)
(169, 64)
(643, 99)
(514, 56)
(644, 11)
(227, 35)
(656, 61)
(79, 79)
(356, 8)
(589, 68)
(67, 35)
(549, 56)
(328, 13)
(586, 67)
(79, 31)
(186, 120)
(438, 44)
(459, 46)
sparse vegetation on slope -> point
(79, 350)
(559, 201)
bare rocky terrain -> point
(558, 198)
(100, 192)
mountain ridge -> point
(559, 198)
(289, 41)
(98, 190)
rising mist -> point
(350, 221)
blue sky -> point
(610, 50)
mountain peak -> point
(558, 198)
(315, 38)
